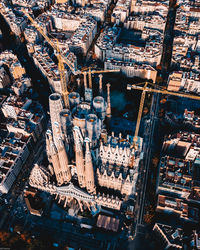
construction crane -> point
(61, 59)
(53, 45)
(155, 89)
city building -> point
(143, 6)
(177, 207)
(32, 35)
(195, 242)
(178, 169)
(97, 11)
(83, 30)
(16, 24)
(121, 11)
(131, 69)
(12, 64)
(21, 85)
(48, 68)
(4, 78)
(33, 201)
(24, 116)
(184, 81)
(142, 21)
(14, 151)
(106, 41)
(108, 48)
(108, 223)
(13, 74)
(33, 4)
(168, 237)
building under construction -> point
(87, 165)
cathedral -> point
(85, 162)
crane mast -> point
(152, 90)
(142, 99)
(59, 56)
(61, 69)
(53, 45)
(62, 59)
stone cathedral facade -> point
(85, 162)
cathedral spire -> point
(89, 171)
(53, 156)
(100, 85)
(62, 155)
(80, 168)
(108, 110)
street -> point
(15, 196)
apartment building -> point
(195, 241)
(20, 85)
(48, 68)
(83, 37)
(45, 21)
(149, 20)
(12, 63)
(106, 41)
(16, 24)
(97, 11)
(175, 175)
(177, 207)
(32, 5)
(14, 151)
(107, 48)
(4, 78)
(131, 69)
(32, 35)
(168, 237)
(187, 20)
(121, 11)
(178, 185)
(23, 116)
(83, 29)
(145, 6)
(184, 81)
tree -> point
(4, 237)
(148, 218)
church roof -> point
(72, 191)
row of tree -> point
(24, 241)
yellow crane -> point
(155, 89)
(62, 59)
(53, 45)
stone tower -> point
(62, 155)
(79, 158)
(100, 85)
(55, 107)
(108, 110)
(53, 158)
(89, 171)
